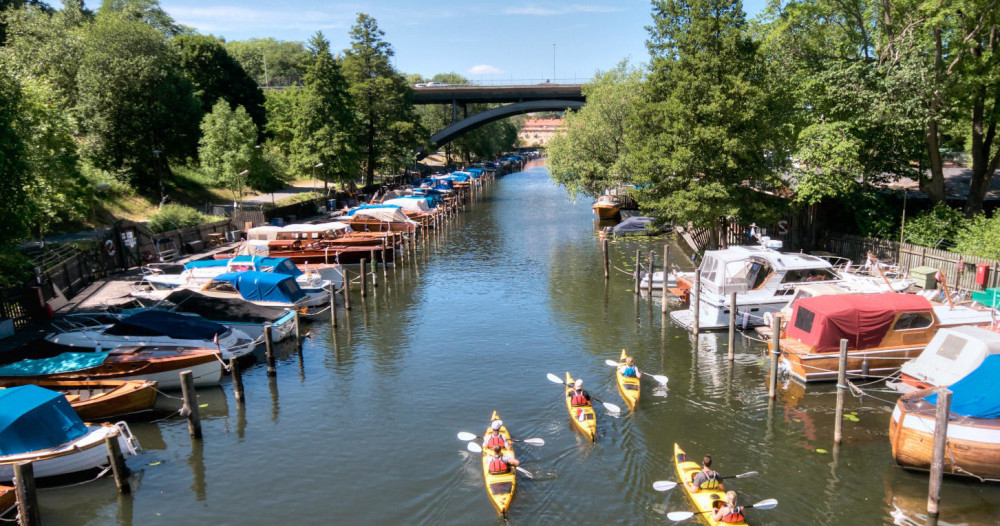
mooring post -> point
(607, 262)
(347, 289)
(649, 275)
(732, 326)
(374, 263)
(234, 369)
(269, 349)
(27, 498)
(775, 354)
(696, 303)
(298, 329)
(385, 261)
(666, 277)
(937, 458)
(118, 469)
(364, 279)
(838, 425)
(190, 409)
(333, 307)
(635, 287)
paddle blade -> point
(747, 474)
(680, 515)
(659, 378)
(611, 363)
(766, 504)
(664, 485)
(474, 447)
(534, 441)
(524, 472)
(466, 436)
(612, 407)
(554, 379)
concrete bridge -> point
(519, 99)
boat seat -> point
(72, 398)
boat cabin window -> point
(708, 269)
(808, 275)
(755, 274)
(909, 321)
(951, 347)
(220, 286)
(804, 319)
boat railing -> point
(130, 441)
(74, 322)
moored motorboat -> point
(606, 207)
(973, 435)
(583, 417)
(98, 399)
(628, 386)
(500, 486)
(39, 426)
(705, 501)
(951, 355)
(161, 365)
(200, 272)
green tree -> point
(388, 127)
(281, 107)
(10, 5)
(227, 144)
(214, 74)
(146, 11)
(271, 62)
(324, 125)
(13, 162)
(592, 156)
(935, 227)
(132, 100)
(980, 237)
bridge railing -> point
(569, 81)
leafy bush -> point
(873, 217)
(173, 217)
(935, 227)
(15, 268)
(981, 237)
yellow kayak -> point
(583, 417)
(705, 501)
(499, 487)
(627, 386)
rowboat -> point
(99, 399)
(39, 426)
(627, 386)
(705, 501)
(500, 487)
(8, 500)
(583, 417)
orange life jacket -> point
(578, 399)
(735, 515)
(498, 466)
(495, 440)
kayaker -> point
(577, 396)
(628, 369)
(500, 463)
(706, 479)
(729, 513)
(494, 438)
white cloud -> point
(224, 18)
(484, 69)
(535, 10)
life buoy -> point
(109, 247)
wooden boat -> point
(883, 331)
(627, 386)
(8, 500)
(154, 364)
(583, 417)
(39, 426)
(500, 487)
(951, 355)
(99, 399)
(973, 443)
(705, 501)
(606, 207)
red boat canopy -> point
(863, 319)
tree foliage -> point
(148, 12)
(935, 227)
(227, 145)
(13, 162)
(271, 62)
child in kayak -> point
(729, 513)
(500, 463)
(628, 369)
(706, 479)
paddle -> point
(466, 436)
(607, 405)
(658, 377)
(684, 515)
(476, 448)
(664, 485)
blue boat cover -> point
(205, 263)
(277, 265)
(432, 200)
(978, 394)
(162, 323)
(264, 286)
(33, 418)
(363, 207)
(64, 363)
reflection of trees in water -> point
(963, 501)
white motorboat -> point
(198, 273)
(39, 426)
(266, 289)
(763, 279)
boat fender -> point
(109, 247)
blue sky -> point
(481, 40)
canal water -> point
(360, 427)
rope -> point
(161, 393)
(88, 481)
(858, 393)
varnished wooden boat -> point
(606, 207)
(7, 500)
(99, 399)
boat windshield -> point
(808, 275)
(755, 274)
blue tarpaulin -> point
(364, 207)
(64, 363)
(264, 286)
(276, 265)
(33, 418)
(205, 263)
(161, 323)
(978, 394)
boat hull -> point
(824, 367)
(500, 487)
(100, 399)
(705, 501)
(606, 211)
(628, 387)
(973, 444)
(84, 455)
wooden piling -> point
(269, 349)
(298, 328)
(333, 307)
(385, 261)
(607, 262)
(27, 498)
(347, 289)
(937, 458)
(696, 303)
(364, 279)
(838, 425)
(649, 275)
(190, 409)
(635, 287)
(118, 469)
(775, 354)
(374, 269)
(732, 326)
(666, 275)
(234, 370)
